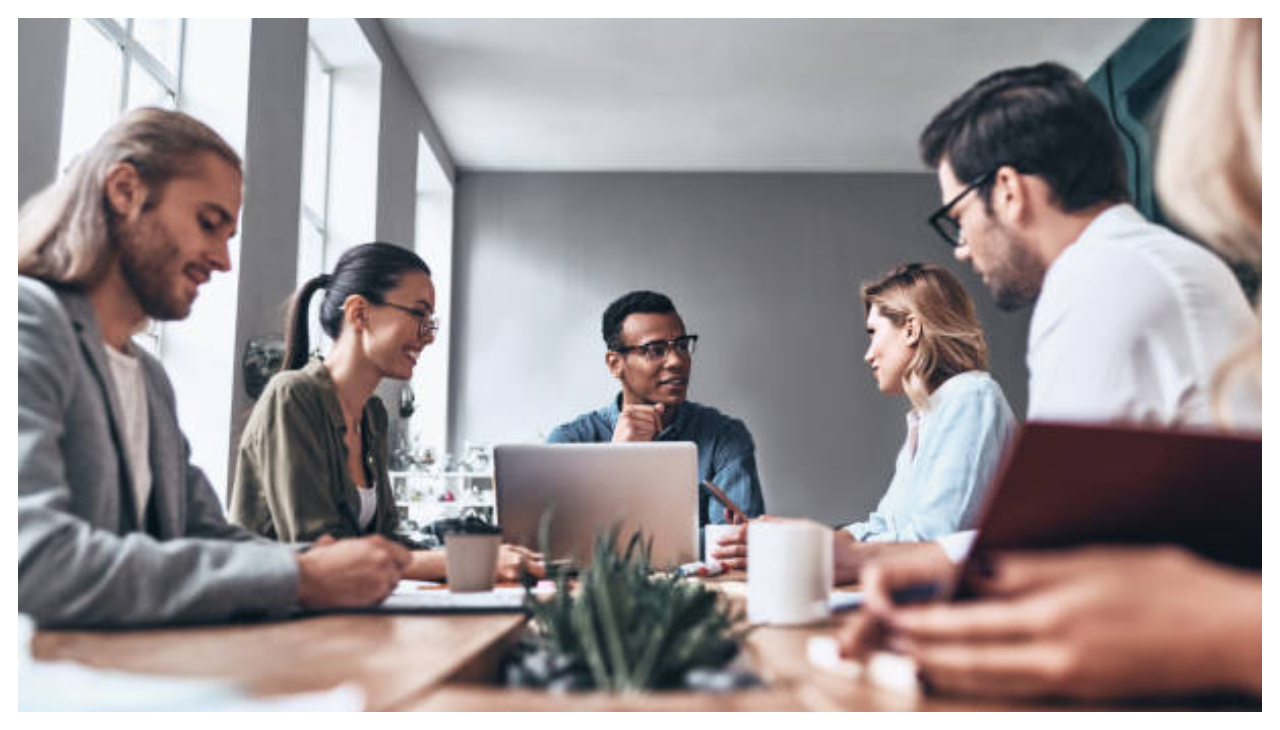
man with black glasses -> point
(651, 355)
(1131, 319)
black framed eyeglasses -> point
(427, 322)
(657, 350)
(944, 224)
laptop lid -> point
(652, 487)
(1063, 485)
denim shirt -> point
(938, 490)
(726, 452)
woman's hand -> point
(1089, 623)
(850, 556)
(731, 550)
(513, 560)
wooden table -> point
(449, 662)
(396, 660)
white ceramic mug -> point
(789, 572)
(711, 535)
(471, 561)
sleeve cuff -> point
(957, 544)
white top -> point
(368, 506)
(1131, 324)
(126, 371)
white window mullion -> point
(134, 51)
(182, 58)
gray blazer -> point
(82, 558)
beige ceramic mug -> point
(471, 561)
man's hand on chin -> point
(638, 423)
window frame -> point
(132, 51)
(319, 220)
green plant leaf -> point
(632, 630)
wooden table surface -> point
(449, 662)
(396, 660)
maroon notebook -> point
(1063, 485)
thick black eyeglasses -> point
(427, 322)
(658, 350)
(944, 224)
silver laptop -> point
(652, 487)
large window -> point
(434, 242)
(115, 64)
(340, 152)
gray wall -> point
(42, 75)
(764, 267)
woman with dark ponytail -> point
(313, 456)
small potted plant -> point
(628, 629)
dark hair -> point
(370, 270)
(1041, 120)
(641, 302)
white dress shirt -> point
(1131, 324)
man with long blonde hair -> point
(115, 525)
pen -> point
(736, 515)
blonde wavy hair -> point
(951, 339)
(1209, 165)
(64, 232)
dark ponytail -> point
(370, 270)
(296, 342)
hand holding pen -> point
(731, 551)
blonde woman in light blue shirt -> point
(927, 345)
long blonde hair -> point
(1209, 165)
(64, 231)
(951, 339)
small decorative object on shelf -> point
(427, 490)
(402, 454)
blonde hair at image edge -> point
(1209, 165)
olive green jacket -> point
(291, 481)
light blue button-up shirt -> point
(937, 489)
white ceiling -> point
(715, 95)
